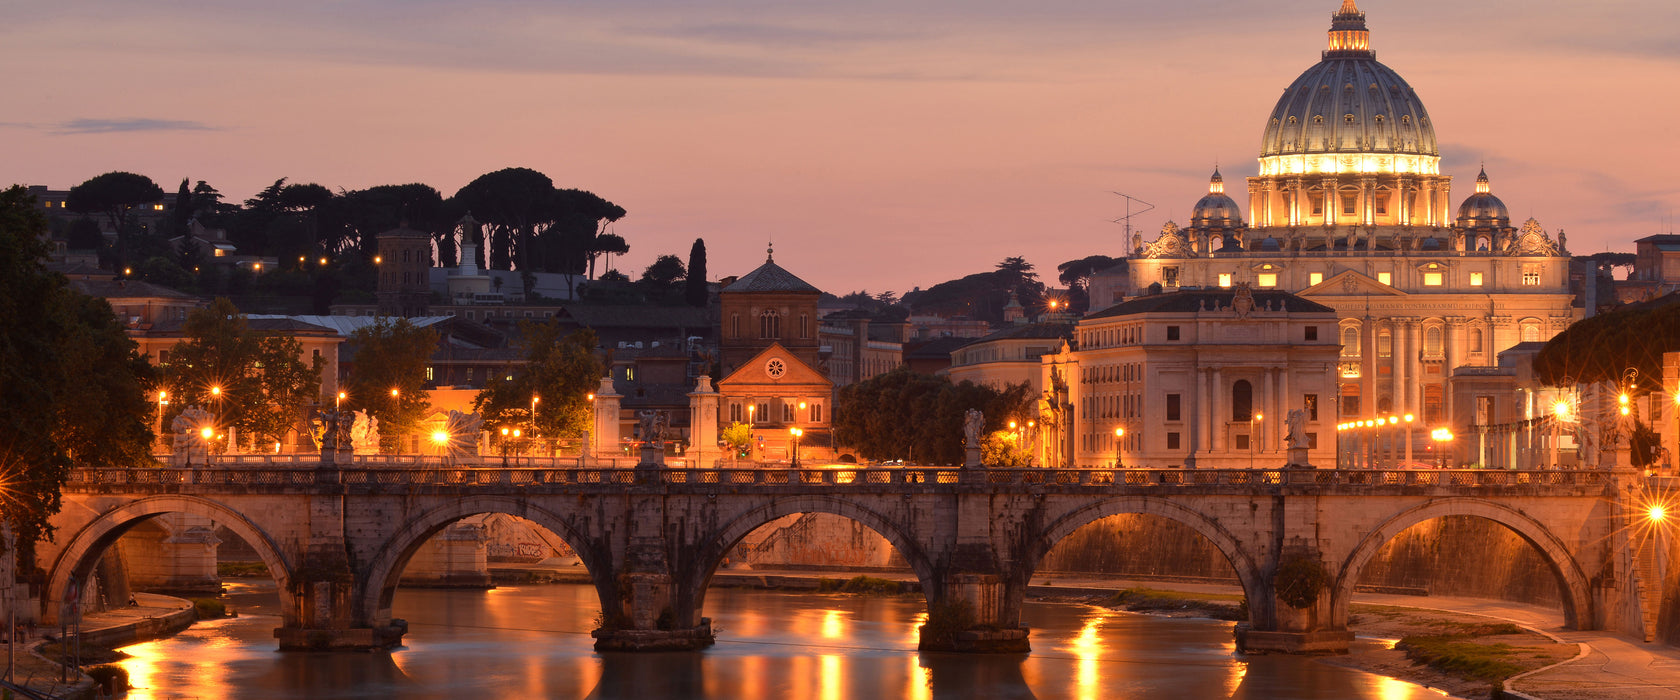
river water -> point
(533, 642)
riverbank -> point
(152, 617)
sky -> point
(880, 144)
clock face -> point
(775, 368)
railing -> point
(438, 473)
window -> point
(787, 413)
(1531, 275)
(470, 373)
(629, 374)
(1475, 341)
(762, 413)
(1484, 410)
(1385, 344)
(1382, 203)
(1350, 204)
(734, 325)
(1317, 203)
(769, 324)
(1315, 278)
(1241, 441)
(1266, 279)
(804, 326)
(816, 413)
(734, 413)
(1385, 278)
(1475, 279)
(1172, 332)
(1169, 276)
(1310, 403)
(1432, 342)
(1312, 332)
(1172, 441)
(1432, 279)
(1242, 401)
(428, 374)
(1530, 332)
(1224, 279)
(1350, 400)
(1174, 405)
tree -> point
(918, 417)
(664, 273)
(85, 235)
(1076, 274)
(560, 372)
(72, 386)
(578, 219)
(180, 224)
(513, 202)
(608, 244)
(115, 195)
(391, 355)
(1604, 347)
(695, 293)
(258, 384)
(738, 436)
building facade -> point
(1197, 378)
(1350, 210)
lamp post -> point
(1560, 413)
(1119, 435)
(1409, 418)
(1441, 436)
(1254, 436)
(795, 432)
(338, 401)
(163, 400)
(534, 400)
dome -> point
(1216, 209)
(1482, 209)
(1350, 104)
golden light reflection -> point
(142, 666)
(921, 678)
(833, 624)
(915, 636)
(1087, 648)
(1394, 689)
(833, 678)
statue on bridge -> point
(653, 437)
(1297, 422)
(187, 438)
(332, 432)
(364, 436)
(974, 422)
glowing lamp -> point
(1409, 418)
(1119, 432)
(215, 391)
(1656, 513)
(1011, 425)
(207, 433)
(516, 432)
(1561, 410)
(440, 437)
(504, 431)
(1393, 420)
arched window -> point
(1432, 342)
(1482, 243)
(1475, 341)
(1385, 344)
(1530, 332)
(1385, 405)
(1242, 401)
(770, 324)
(1350, 341)
(735, 327)
(1215, 243)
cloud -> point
(109, 126)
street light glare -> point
(1561, 410)
(1657, 513)
(440, 437)
(207, 432)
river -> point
(533, 642)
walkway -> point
(42, 675)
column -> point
(1271, 417)
(1193, 437)
(1286, 403)
(1397, 368)
(1368, 370)
(1216, 409)
(1332, 203)
(1449, 338)
(1414, 369)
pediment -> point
(1349, 283)
(774, 365)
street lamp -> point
(1409, 418)
(1560, 413)
(534, 400)
(1119, 435)
(1441, 436)
(795, 432)
(163, 400)
(1254, 437)
(339, 400)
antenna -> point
(1126, 220)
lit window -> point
(1385, 277)
(1475, 279)
(1224, 279)
(1169, 276)
(428, 374)
(1431, 279)
(157, 207)
(1315, 278)
(1531, 275)
(1266, 279)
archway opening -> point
(1461, 556)
(1144, 555)
(818, 577)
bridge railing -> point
(399, 471)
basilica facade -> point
(1350, 210)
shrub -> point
(209, 608)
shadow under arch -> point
(710, 556)
(385, 571)
(1577, 599)
(81, 553)
(1248, 572)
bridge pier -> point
(642, 607)
(975, 613)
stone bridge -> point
(336, 537)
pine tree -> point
(695, 291)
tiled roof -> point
(127, 289)
(770, 277)
(1192, 300)
(1030, 331)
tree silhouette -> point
(695, 292)
(115, 195)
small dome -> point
(1482, 209)
(1216, 210)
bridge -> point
(336, 537)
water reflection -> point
(533, 641)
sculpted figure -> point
(324, 429)
(973, 422)
(1297, 422)
(365, 435)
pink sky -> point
(882, 145)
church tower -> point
(405, 264)
(765, 306)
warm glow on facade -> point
(1349, 164)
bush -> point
(945, 620)
(209, 608)
(110, 679)
(1299, 579)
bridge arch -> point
(1235, 551)
(82, 551)
(1572, 581)
(385, 570)
(716, 546)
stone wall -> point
(1464, 556)
(1668, 616)
(817, 540)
